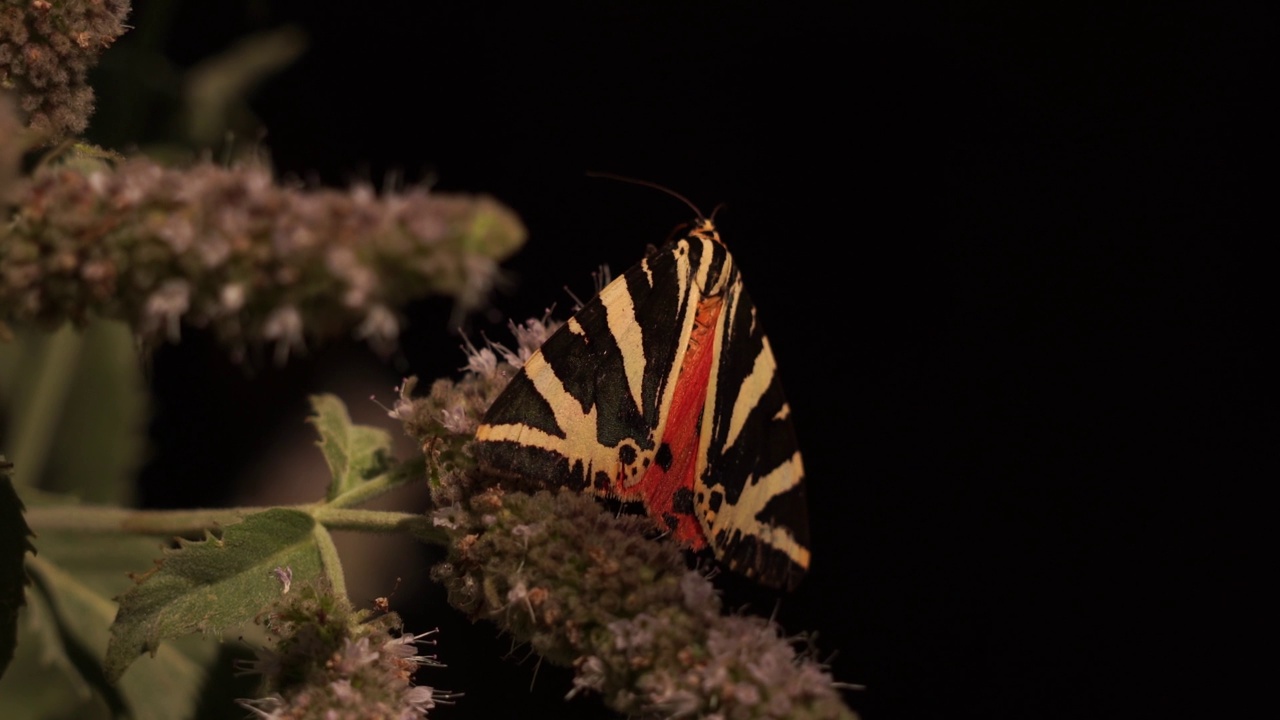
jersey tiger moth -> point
(663, 390)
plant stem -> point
(364, 520)
(403, 474)
(330, 560)
(98, 519)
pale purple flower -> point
(380, 328)
(284, 327)
(165, 308)
(482, 361)
(285, 576)
(231, 298)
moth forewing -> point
(663, 389)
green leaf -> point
(75, 408)
(58, 670)
(217, 89)
(44, 682)
(101, 435)
(169, 687)
(15, 543)
(215, 584)
(355, 453)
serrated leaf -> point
(354, 453)
(15, 543)
(214, 584)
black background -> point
(992, 251)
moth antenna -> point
(715, 210)
(655, 186)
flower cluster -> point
(447, 417)
(11, 149)
(229, 248)
(591, 590)
(46, 49)
(328, 662)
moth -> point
(663, 390)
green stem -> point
(403, 474)
(98, 519)
(330, 560)
(380, 521)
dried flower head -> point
(46, 51)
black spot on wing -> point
(663, 458)
(717, 499)
(683, 501)
(521, 403)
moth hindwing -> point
(663, 390)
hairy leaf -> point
(355, 453)
(215, 584)
(15, 543)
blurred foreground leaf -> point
(74, 410)
(15, 543)
(64, 632)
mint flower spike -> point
(587, 589)
(260, 263)
(330, 661)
